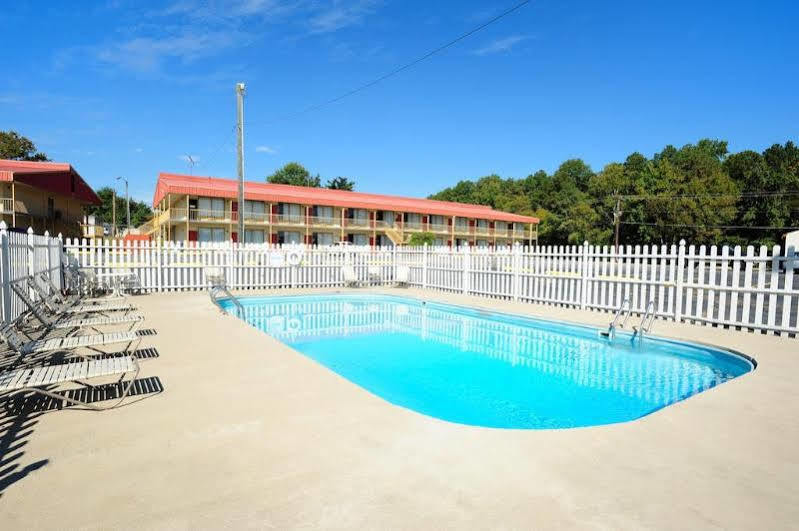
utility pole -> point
(240, 146)
(114, 213)
(617, 212)
(127, 202)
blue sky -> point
(129, 88)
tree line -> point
(699, 192)
(296, 174)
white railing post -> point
(467, 266)
(5, 270)
(679, 282)
(424, 266)
(584, 277)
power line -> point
(399, 68)
(690, 226)
(746, 195)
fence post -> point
(424, 266)
(584, 277)
(31, 267)
(61, 262)
(49, 261)
(467, 266)
(5, 270)
(515, 266)
(679, 281)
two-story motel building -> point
(45, 196)
(206, 209)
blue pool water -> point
(489, 369)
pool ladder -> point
(624, 308)
(646, 321)
(215, 292)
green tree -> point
(421, 238)
(140, 211)
(295, 174)
(340, 183)
(14, 146)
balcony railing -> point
(324, 221)
(380, 224)
(251, 217)
(414, 225)
(439, 228)
(6, 204)
(356, 222)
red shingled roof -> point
(56, 177)
(283, 193)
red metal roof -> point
(283, 193)
(56, 177)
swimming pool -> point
(489, 369)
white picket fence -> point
(748, 288)
(24, 255)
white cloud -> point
(501, 45)
(266, 149)
(341, 15)
(188, 30)
(138, 150)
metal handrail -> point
(649, 314)
(214, 292)
(612, 327)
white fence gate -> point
(751, 289)
(22, 256)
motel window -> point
(500, 226)
(289, 237)
(212, 206)
(254, 209)
(437, 220)
(461, 223)
(414, 220)
(291, 212)
(325, 214)
(210, 235)
(384, 241)
(360, 239)
(482, 223)
(253, 236)
(323, 238)
(439, 242)
(482, 243)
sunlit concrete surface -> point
(248, 433)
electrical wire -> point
(690, 226)
(398, 69)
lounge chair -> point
(39, 379)
(374, 274)
(9, 333)
(350, 278)
(403, 275)
(68, 321)
(57, 308)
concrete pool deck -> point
(248, 433)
